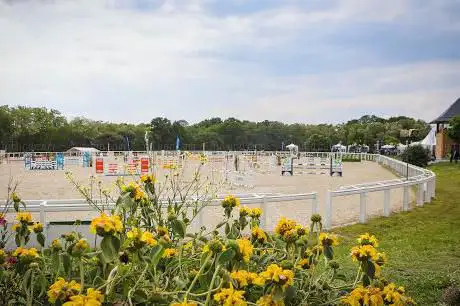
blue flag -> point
(177, 143)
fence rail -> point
(411, 176)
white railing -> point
(412, 176)
(43, 207)
(423, 179)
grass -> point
(423, 245)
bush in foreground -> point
(416, 155)
(148, 257)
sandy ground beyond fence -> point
(41, 185)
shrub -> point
(416, 155)
(148, 256)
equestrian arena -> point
(250, 175)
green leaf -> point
(290, 293)
(108, 249)
(341, 277)
(221, 224)
(66, 263)
(140, 296)
(328, 252)
(227, 229)
(179, 227)
(41, 239)
(370, 270)
(277, 294)
(226, 256)
(366, 281)
(25, 280)
(157, 253)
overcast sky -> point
(307, 61)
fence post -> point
(314, 205)
(420, 199)
(406, 198)
(362, 207)
(426, 192)
(386, 203)
(328, 212)
(264, 218)
(43, 217)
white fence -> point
(424, 180)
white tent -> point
(339, 148)
(430, 139)
(82, 149)
(387, 147)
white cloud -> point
(112, 60)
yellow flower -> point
(15, 227)
(258, 234)
(56, 245)
(255, 213)
(368, 239)
(134, 233)
(162, 231)
(245, 249)
(277, 275)
(135, 191)
(106, 225)
(230, 202)
(290, 235)
(380, 259)
(148, 238)
(327, 239)
(304, 264)
(148, 178)
(284, 225)
(216, 246)
(37, 228)
(168, 253)
(244, 211)
(24, 217)
(26, 253)
(394, 296)
(363, 253)
(62, 290)
(81, 245)
(15, 197)
(364, 296)
(92, 298)
(267, 300)
(243, 277)
(230, 297)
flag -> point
(177, 143)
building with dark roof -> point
(443, 142)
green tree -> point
(454, 129)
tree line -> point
(41, 129)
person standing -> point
(454, 153)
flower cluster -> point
(230, 202)
(106, 225)
(244, 278)
(289, 230)
(92, 298)
(245, 249)
(258, 234)
(24, 253)
(254, 213)
(135, 191)
(327, 239)
(148, 179)
(230, 296)
(278, 275)
(62, 291)
(368, 239)
(375, 296)
(140, 238)
(24, 217)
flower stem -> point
(208, 296)
(82, 276)
(197, 275)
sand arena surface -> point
(41, 185)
